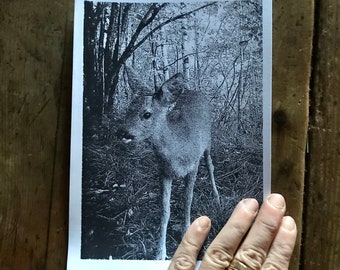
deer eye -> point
(146, 115)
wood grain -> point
(58, 225)
(321, 248)
(32, 42)
(35, 64)
(292, 47)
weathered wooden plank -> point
(292, 45)
(31, 48)
(58, 226)
(321, 248)
(34, 188)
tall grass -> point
(121, 193)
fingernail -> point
(288, 223)
(277, 201)
(203, 223)
(251, 205)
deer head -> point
(148, 110)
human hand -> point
(268, 244)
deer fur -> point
(177, 122)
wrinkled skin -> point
(259, 238)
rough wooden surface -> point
(292, 45)
(35, 64)
(34, 106)
(321, 249)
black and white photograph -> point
(170, 121)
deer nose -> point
(124, 135)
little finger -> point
(282, 247)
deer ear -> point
(173, 88)
(136, 83)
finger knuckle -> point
(238, 229)
(184, 262)
(218, 257)
(283, 251)
(253, 257)
(279, 257)
(273, 266)
(270, 226)
(190, 244)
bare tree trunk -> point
(185, 56)
(197, 67)
(93, 95)
(165, 58)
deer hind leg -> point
(161, 252)
(210, 167)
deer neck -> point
(170, 144)
(163, 137)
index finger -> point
(186, 254)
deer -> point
(177, 122)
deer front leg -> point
(161, 255)
(189, 194)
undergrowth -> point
(121, 194)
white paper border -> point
(267, 95)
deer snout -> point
(124, 135)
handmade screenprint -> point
(171, 120)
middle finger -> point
(253, 250)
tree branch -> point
(169, 21)
(147, 19)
